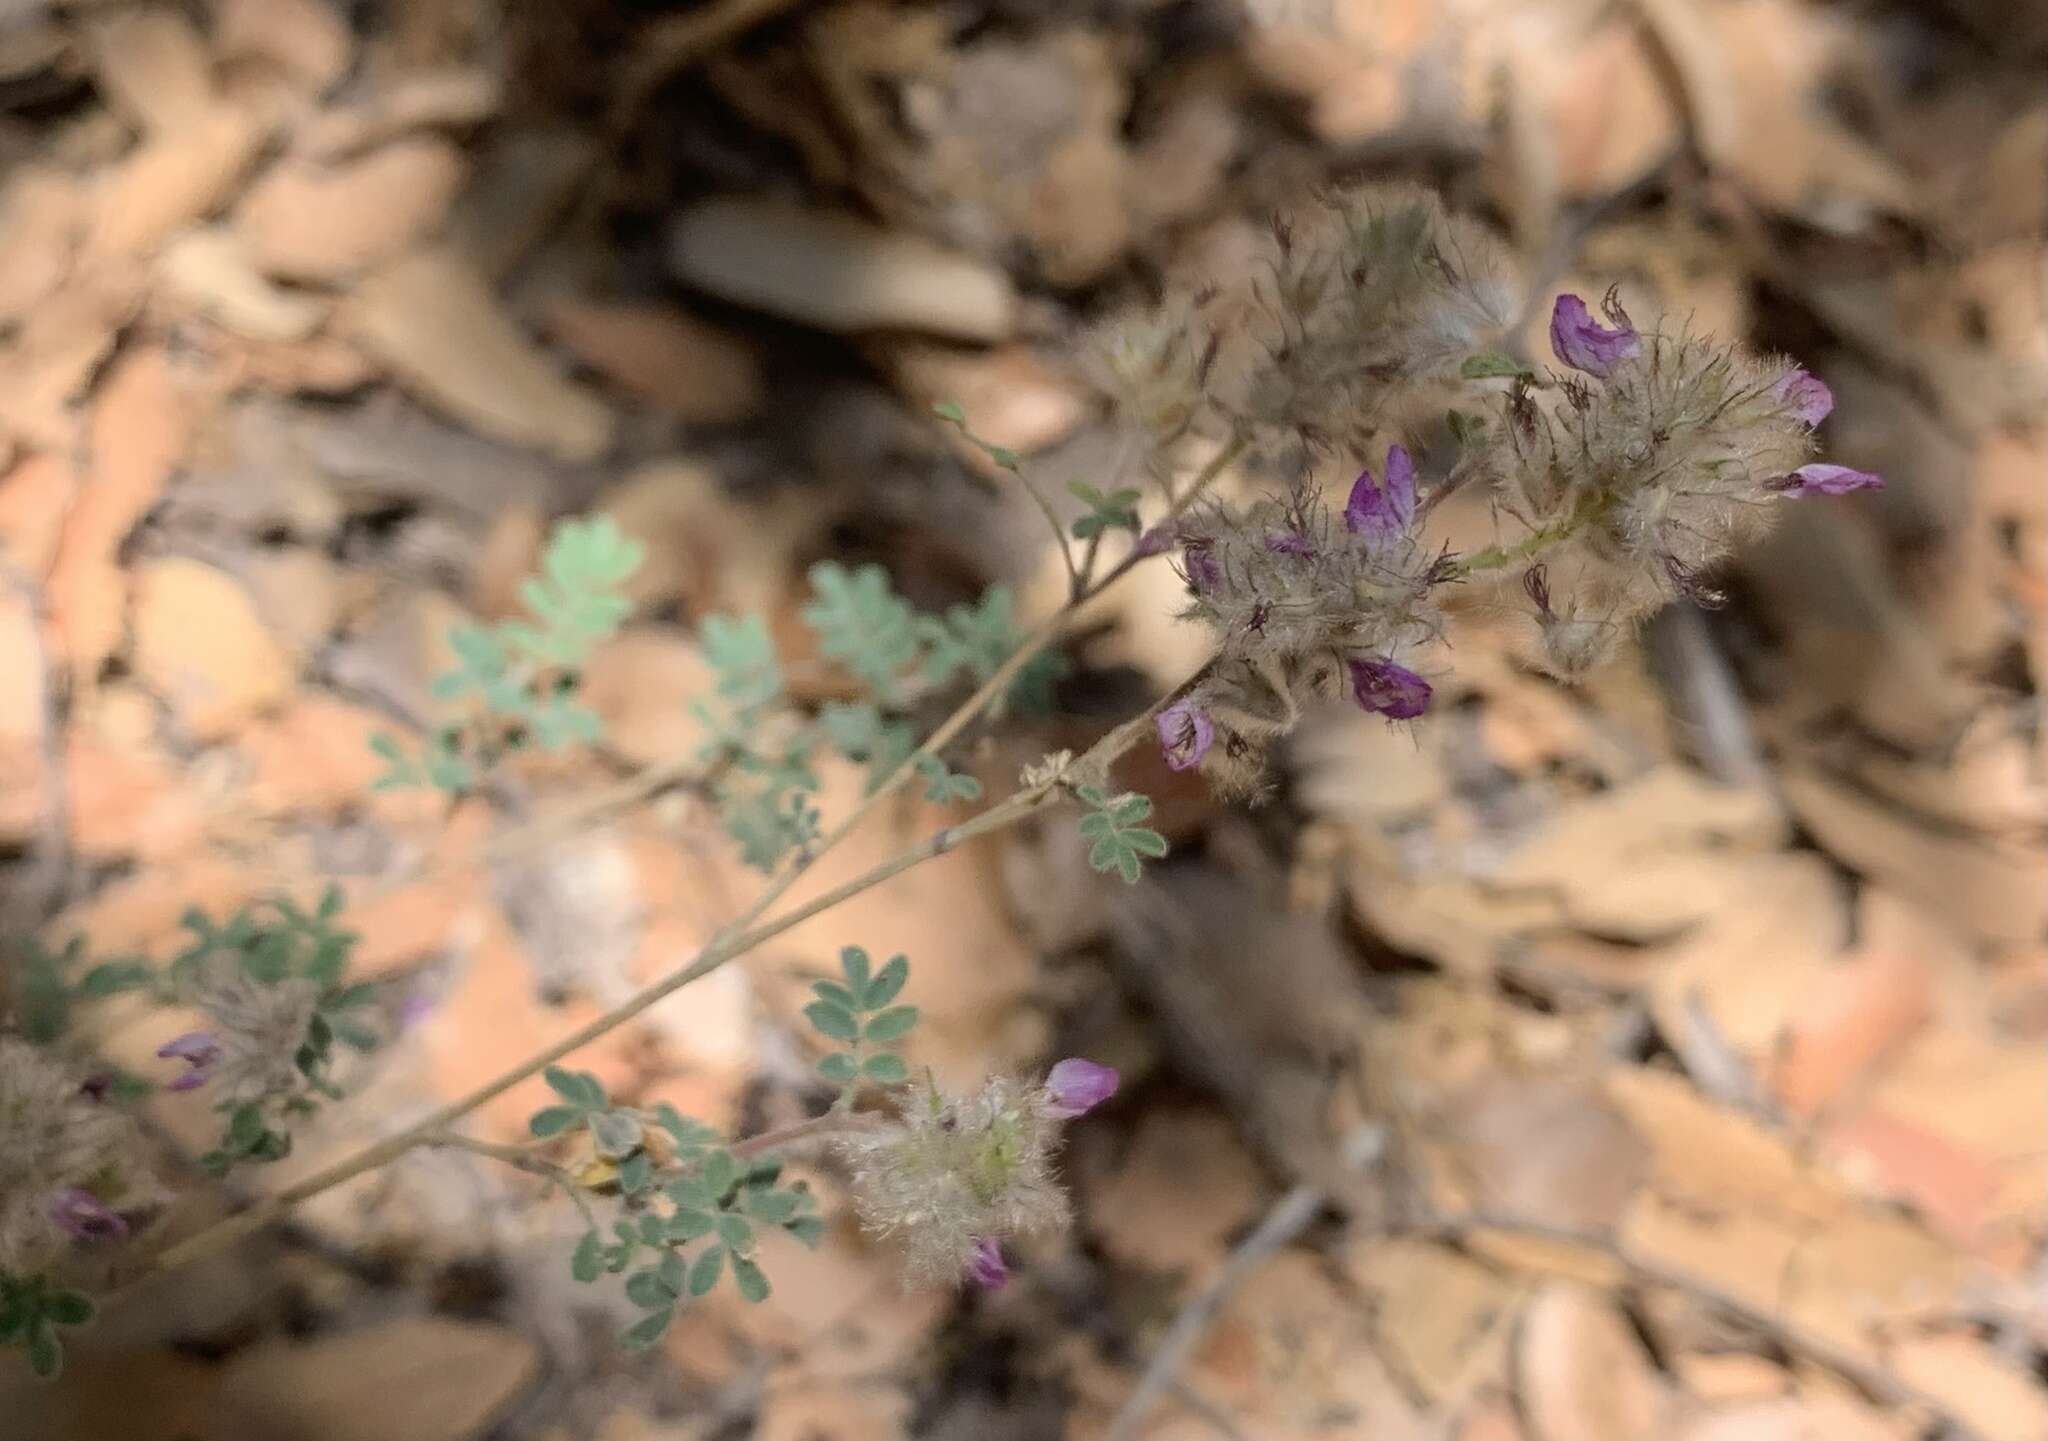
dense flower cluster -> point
(73, 1172)
(250, 1051)
(962, 1173)
(1621, 479)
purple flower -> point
(1153, 541)
(1806, 396)
(198, 1049)
(1185, 734)
(1827, 480)
(1290, 542)
(985, 1267)
(1200, 563)
(1387, 689)
(1584, 343)
(1383, 513)
(84, 1217)
(1076, 1086)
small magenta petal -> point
(84, 1217)
(1202, 572)
(1290, 542)
(1584, 343)
(1805, 395)
(985, 1267)
(1185, 734)
(1076, 1086)
(1383, 513)
(1391, 690)
(1820, 479)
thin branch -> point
(1288, 1218)
(736, 939)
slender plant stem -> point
(734, 940)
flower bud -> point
(985, 1267)
(84, 1217)
(1185, 734)
(1076, 1086)
(1379, 513)
(201, 1052)
(1805, 396)
(1821, 479)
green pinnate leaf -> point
(636, 1173)
(886, 1069)
(644, 1289)
(705, 1270)
(835, 994)
(735, 1232)
(1118, 842)
(45, 1351)
(554, 1120)
(853, 964)
(588, 1258)
(578, 1088)
(738, 649)
(750, 1280)
(1492, 364)
(688, 1225)
(808, 1229)
(838, 1068)
(863, 624)
(67, 1308)
(890, 1025)
(886, 984)
(647, 1330)
(834, 1021)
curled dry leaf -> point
(431, 319)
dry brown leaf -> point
(319, 223)
(704, 548)
(1583, 1175)
(1989, 890)
(431, 319)
(1585, 1376)
(35, 496)
(210, 271)
(1011, 397)
(303, 39)
(1716, 1159)
(171, 180)
(661, 355)
(436, 1380)
(1754, 966)
(1793, 1418)
(1291, 1356)
(1741, 1254)
(1986, 1392)
(836, 272)
(42, 214)
(152, 68)
(56, 352)
(454, 98)
(1871, 1270)
(1173, 1198)
(141, 427)
(200, 644)
(1724, 1377)
(1435, 1309)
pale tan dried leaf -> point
(200, 644)
(1585, 1376)
(209, 270)
(1435, 1308)
(1989, 890)
(312, 222)
(171, 180)
(436, 1380)
(453, 98)
(304, 39)
(42, 213)
(836, 272)
(153, 68)
(677, 363)
(431, 319)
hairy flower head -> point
(73, 1169)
